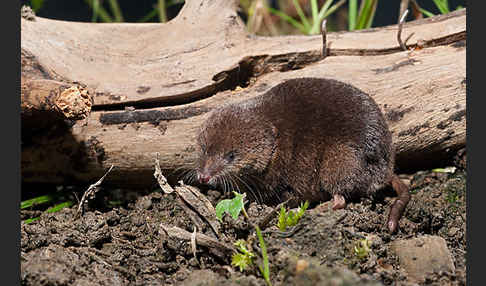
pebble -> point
(422, 256)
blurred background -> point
(262, 17)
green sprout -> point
(49, 198)
(234, 207)
(362, 248)
(442, 6)
(306, 26)
(290, 218)
(244, 257)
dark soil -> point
(123, 245)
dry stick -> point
(194, 204)
(403, 5)
(90, 192)
(167, 189)
(400, 27)
(164, 185)
(193, 242)
(200, 205)
(324, 38)
(201, 239)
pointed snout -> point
(203, 178)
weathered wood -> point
(174, 73)
(45, 103)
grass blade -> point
(323, 13)
(366, 14)
(289, 19)
(149, 16)
(29, 220)
(315, 11)
(115, 8)
(98, 10)
(266, 268)
(59, 207)
(162, 11)
(36, 201)
(333, 8)
(442, 6)
(302, 16)
(426, 13)
(352, 14)
(371, 14)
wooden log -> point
(45, 103)
(155, 83)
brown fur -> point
(306, 139)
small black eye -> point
(230, 156)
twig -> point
(400, 27)
(164, 185)
(201, 239)
(90, 192)
(193, 242)
(403, 5)
(194, 204)
(324, 38)
(199, 204)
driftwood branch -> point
(45, 103)
(153, 85)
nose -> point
(204, 178)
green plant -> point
(244, 258)
(36, 5)
(362, 248)
(363, 19)
(290, 218)
(100, 13)
(306, 26)
(442, 6)
(36, 201)
(43, 200)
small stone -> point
(301, 265)
(144, 203)
(453, 231)
(423, 255)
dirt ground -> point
(118, 240)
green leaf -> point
(352, 14)
(444, 170)
(282, 219)
(265, 269)
(301, 14)
(241, 261)
(36, 201)
(366, 14)
(362, 248)
(27, 221)
(442, 5)
(232, 207)
(290, 218)
(289, 19)
(59, 207)
(221, 207)
(426, 13)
